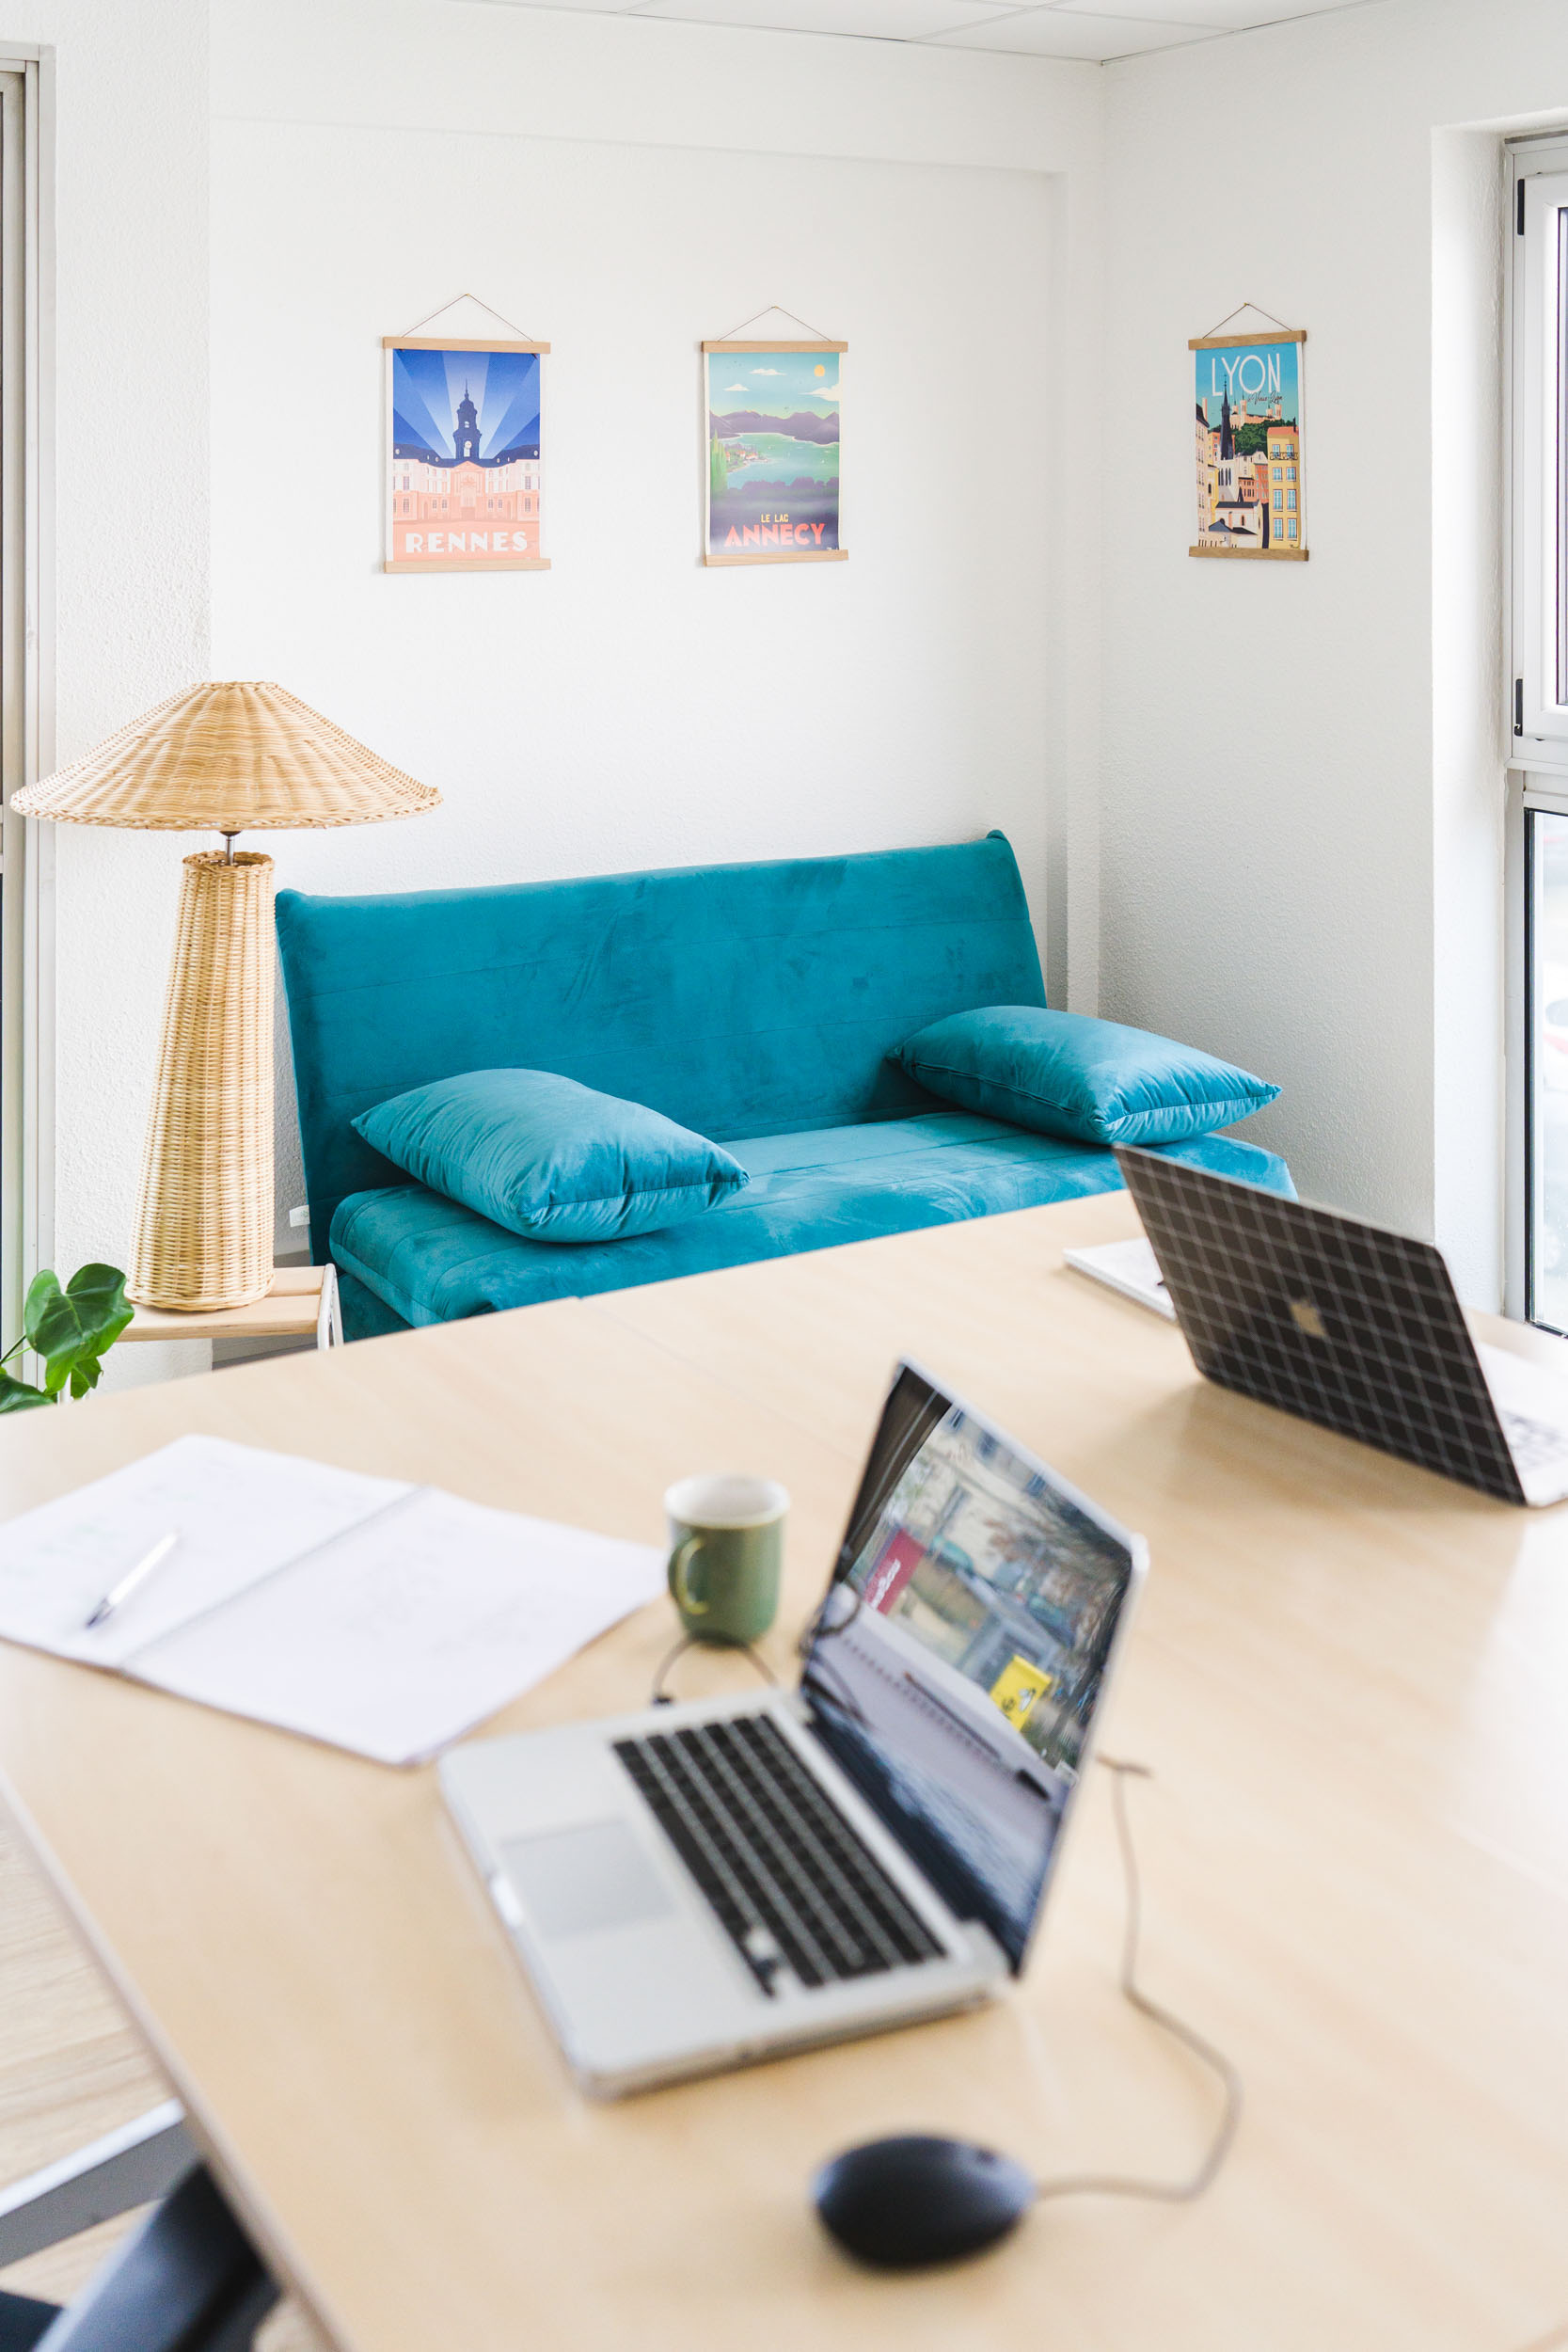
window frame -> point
(1536, 717)
(26, 669)
(1537, 754)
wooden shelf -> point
(302, 1303)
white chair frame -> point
(136, 2165)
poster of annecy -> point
(772, 450)
(1248, 424)
(464, 486)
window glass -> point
(1548, 1069)
(1559, 502)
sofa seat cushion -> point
(431, 1261)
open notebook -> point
(377, 1615)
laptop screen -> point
(955, 1666)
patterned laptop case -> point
(1340, 1323)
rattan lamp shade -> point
(238, 758)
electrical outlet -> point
(299, 1217)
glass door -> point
(25, 862)
(1537, 723)
(1546, 968)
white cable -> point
(1111, 2184)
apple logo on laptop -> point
(1307, 1318)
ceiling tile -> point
(1065, 33)
(597, 8)
(1220, 16)
(1092, 29)
(878, 20)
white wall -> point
(1299, 811)
(131, 551)
(1302, 823)
(623, 188)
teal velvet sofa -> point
(756, 1004)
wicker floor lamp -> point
(237, 759)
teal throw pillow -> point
(550, 1159)
(1065, 1074)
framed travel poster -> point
(464, 479)
(773, 412)
(1248, 426)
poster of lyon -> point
(463, 483)
(772, 452)
(1248, 422)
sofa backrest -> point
(741, 1000)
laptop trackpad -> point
(578, 1882)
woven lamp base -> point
(204, 1225)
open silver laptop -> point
(1346, 1325)
(695, 1887)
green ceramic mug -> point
(726, 1551)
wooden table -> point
(1349, 1674)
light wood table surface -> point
(1352, 1678)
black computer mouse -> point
(901, 2203)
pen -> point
(129, 1581)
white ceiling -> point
(1092, 29)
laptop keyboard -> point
(786, 1875)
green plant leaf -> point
(17, 1397)
(72, 1329)
(43, 1287)
(97, 1293)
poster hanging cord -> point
(522, 334)
(1237, 313)
(730, 332)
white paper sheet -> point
(1128, 1266)
(364, 1611)
(1519, 1385)
(239, 1513)
(399, 1635)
